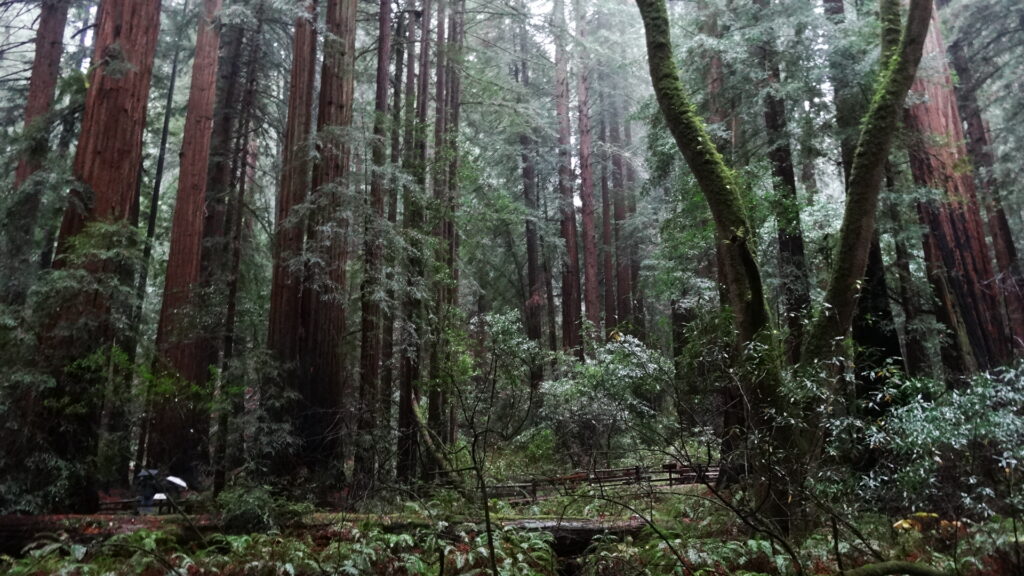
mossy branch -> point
(877, 133)
(716, 180)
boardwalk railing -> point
(671, 474)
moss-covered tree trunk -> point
(779, 482)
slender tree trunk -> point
(796, 298)
(286, 336)
(147, 250)
(959, 262)
(435, 397)
(408, 424)
(572, 311)
(623, 268)
(629, 184)
(16, 251)
(611, 318)
(370, 351)
(451, 237)
(534, 305)
(591, 292)
(388, 336)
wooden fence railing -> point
(542, 488)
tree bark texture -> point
(180, 420)
(286, 335)
(591, 290)
(960, 267)
(325, 293)
(1008, 265)
(174, 343)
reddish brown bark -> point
(106, 165)
(1011, 277)
(591, 292)
(181, 422)
(175, 346)
(373, 263)
(957, 256)
(324, 365)
(18, 249)
(110, 144)
(285, 335)
(571, 307)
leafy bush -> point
(254, 508)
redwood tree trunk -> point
(175, 339)
(285, 334)
(959, 263)
(1008, 265)
(16, 260)
(107, 164)
(796, 298)
(416, 164)
(571, 308)
(370, 351)
(324, 366)
(591, 291)
(607, 239)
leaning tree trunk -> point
(16, 258)
(182, 421)
(721, 190)
(1008, 265)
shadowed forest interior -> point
(602, 287)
